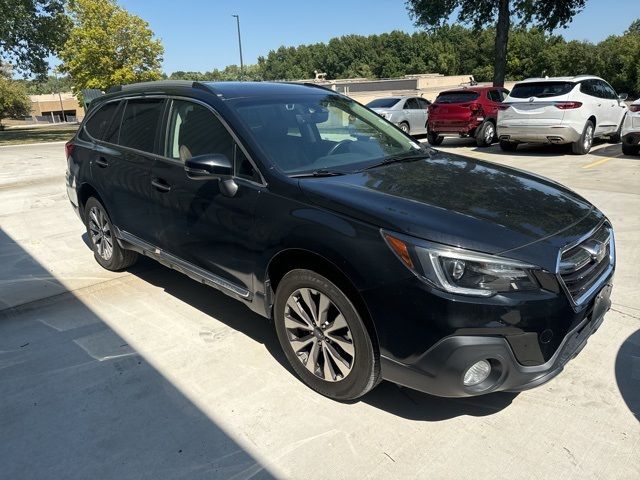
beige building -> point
(50, 107)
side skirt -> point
(131, 242)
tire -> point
(629, 149)
(583, 145)
(507, 146)
(106, 250)
(339, 381)
(434, 139)
(615, 138)
(404, 126)
(486, 134)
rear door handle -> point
(160, 185)
(102, 162)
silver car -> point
(409, 113)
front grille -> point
(582, 266)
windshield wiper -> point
(399, 158)
(317, 173)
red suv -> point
(467, 112)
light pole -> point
(62, 115)
(239, 44)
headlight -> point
(461, 271)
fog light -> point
(477, 373)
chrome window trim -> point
(163, 157)
(224, 123)
(579, 302)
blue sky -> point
(201, 35)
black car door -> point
(194, 220)
(121, 167)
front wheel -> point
(507, 146)
(434, 139)
(629, 149)
(486, 134)
(324, 337)
(584, 143)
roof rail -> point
(159, 83)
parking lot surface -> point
(148, 374)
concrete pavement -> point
(147, 374)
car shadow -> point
(79, 402)
(628, 372)
(402, 402)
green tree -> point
(547, 14)
(14, 101)
(30, 31)
(108, 46)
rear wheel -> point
(507, 146)
(106, 249)
(324, 337)
(584, 143)
(485, 135)
(434, 139)
(404, 126)
(629, 149)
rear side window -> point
(382, 103)
(412, 104)
(541, 89)
(457, 97)
(423, 103)
(99, 121)
(140, 123)
(494, 95)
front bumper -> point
(538, 134)
(440, 370)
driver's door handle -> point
(160, 185)
(102, 162)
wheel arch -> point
(296, 258)
(85, 192)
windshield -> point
(457, 97)
(382, 102)
(541, 89)
(307, 133)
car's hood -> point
(458, 201)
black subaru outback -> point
(375, 256)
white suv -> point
(561, 110)
(631, 130)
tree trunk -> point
(502, 37)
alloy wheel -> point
(100, 233)
(319, 334)
(588, 137)
(489, 133)
(404, 128)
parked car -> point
(375, 256)
(408, 113)
(571, 110)
(631, 130)
(471, 111)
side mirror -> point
(623, 96)
(208, 167)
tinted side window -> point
(112, 132)
(607, 90)
(412, 104)
(140, 123)
(504, 94)
(243, 167)
(423, 103)
(99, 121)
(494, 95)
(587, 88)
(194, 130)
